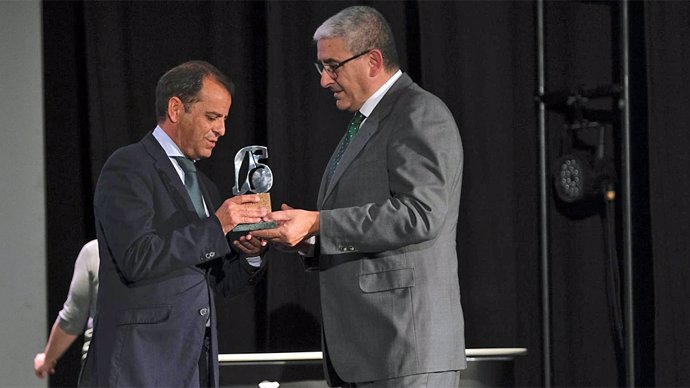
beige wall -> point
(22, 194)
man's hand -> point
(241, 209)
(294, 226)
(250, 245)
(43, 368)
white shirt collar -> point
(171, 149)
(375, 98)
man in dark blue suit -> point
(162, 236)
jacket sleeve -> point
(233, 274)
(148, 233)
(423, 156)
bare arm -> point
(58, 342)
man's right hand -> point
(294, 226)
(241, 209)
(43, 368)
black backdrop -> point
(102, 60)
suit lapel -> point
(358, 142)
(370, 126)
(172, 182)
(169, 176)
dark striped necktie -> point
(352, 129)
(191, 182)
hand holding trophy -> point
(258, 179)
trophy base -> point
(265, 202)
(256, 226)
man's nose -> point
(220, 129)
(326, 79)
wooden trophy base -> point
(265, 202)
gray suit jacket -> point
(389, 270)
(159, 266)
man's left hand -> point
(294, 226)
(251, 245)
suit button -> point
(203, 312)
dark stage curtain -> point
(102, 60)
(579, 53)
(669, 162)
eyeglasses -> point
(330, 68)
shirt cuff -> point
(309, 245)
(254, 261)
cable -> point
(613, 280)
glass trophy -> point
(258, 179)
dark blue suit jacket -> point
(159, 266)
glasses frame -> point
(330, 69)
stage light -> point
(571, 175)
(579, 176)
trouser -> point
(205, 361)
(448, 379)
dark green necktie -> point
(352, 129)
(191, 182)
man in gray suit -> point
(385, 230)
(161, 231)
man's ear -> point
(175, 108)
(375, 59)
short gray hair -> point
(363, 28)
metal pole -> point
(543, 202)
(627, 203)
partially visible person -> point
(162, 233)
(76, 315)
(386, 225)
